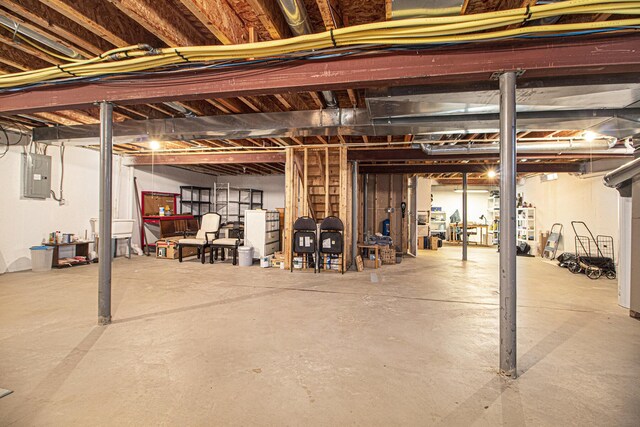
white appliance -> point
(262, 232)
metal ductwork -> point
(296, 16)
(600, 146)
(619, 177)
(179, 108)
(44, 40)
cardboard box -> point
(168, 249)
(434, 243)
(371, 263)
(422, 242)
(388, 255)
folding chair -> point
(331, 242)
(304, 242)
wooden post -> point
(327, 205)
(305, 193)
(289, 203)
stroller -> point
(594, 256)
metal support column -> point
(104, 275)
(354, 214)
(465, 235)
(508, 224)
(365, 200)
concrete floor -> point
(410, 344)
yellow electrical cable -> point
(433, 30)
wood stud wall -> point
(317, 184)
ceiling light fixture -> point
(589, 136)
(491, 173)
(154, 145)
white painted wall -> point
(272, 185)
(26, 222)
(570, 198)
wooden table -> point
(484, 235)
(81, 249)
(376, 251)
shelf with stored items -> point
(526, 225)
(438, 221)
(493, 211)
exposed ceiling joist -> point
(271, 17)
(160, 18)
(57, 24)
(101, 19)
(18, 59)
(219, 18)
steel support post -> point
(465, 235)
(354, 214)
(365, 201)
(104, 275)
(508, 224)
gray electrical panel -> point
(36, 176)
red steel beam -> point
(205, 158)
(472, 63)
(466, 167)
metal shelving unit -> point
(195, 200)
(231, 202)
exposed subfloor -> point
(410, 344)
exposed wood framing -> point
(220, 19)
(98, 17)
(271, 17)
(57, 24)
(331, 14)
(160, 18)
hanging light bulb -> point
(491, 173)
(155, 145)
(589, 136)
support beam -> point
(508, 224)
(206, 158)
(106, 155)
(465, 236)
(556, 57)
(365, 202)
(354, 214)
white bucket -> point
(41, 258)
(245, 256)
